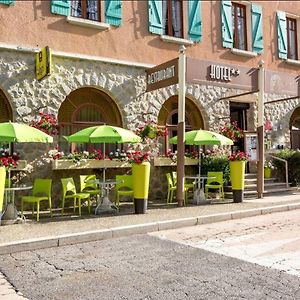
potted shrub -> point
(268, 167)
(237, 163)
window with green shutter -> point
(257, 29)
(281, 35)
(195, 20)
(234, 18)
(8, 2)
(226, 19)
(166, 18)
(155, 16)
(60, 7)
(113, 12)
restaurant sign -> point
(162, 75)
(43, 63)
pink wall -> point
(30, 23)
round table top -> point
(18, 188)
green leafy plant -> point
(216, 163)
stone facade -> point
(126, 86)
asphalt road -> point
(147, 267)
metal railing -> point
(286, 169)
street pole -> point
(260, 130)
(181, 126)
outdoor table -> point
(199, 195)
(104, 204)
(12, 189)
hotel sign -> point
(222, 73)
(162, 75)
(43, 63)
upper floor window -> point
(103, 11)
(87, 9)
(166, 18)
(287, 37)
(239, 27)
(292, 38)
(172, 18)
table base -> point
(105, 206)
(199, 198)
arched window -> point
(168, 116)
(84, 108)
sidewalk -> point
(67, 230)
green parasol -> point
(104, 134)
(203, 137)
(16, 132)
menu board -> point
(251, 145)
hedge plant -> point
(216, 163)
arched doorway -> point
(83, 108)
(5, 116)
(5, 108)
(295, 129)
(168, 116)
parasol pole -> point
(199, 166)
(103, 159)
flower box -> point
(21, 165)
(166, 161)
(64, 164)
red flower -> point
(238, 156)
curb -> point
(103, 234)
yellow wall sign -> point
(43, 63)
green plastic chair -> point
(124, 187)
(215, 183)
(86, 187)
(188, 185)
(41, 192)
(172, 187)
(69, 192)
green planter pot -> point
(237, 177)
(141, 178)
(2, 185)
(267, 172)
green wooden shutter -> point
(257, 30)
(155, 16)
(60, 7)
(8, 2)
(282, 35)
(195, 20)
(226, 19)
(113, 12)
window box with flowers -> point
(47, 123)
(151, 130)
(232, 131)
(87, 160)
(237, 163)
(190, 159)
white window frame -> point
(90, 23)
(180, 41)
